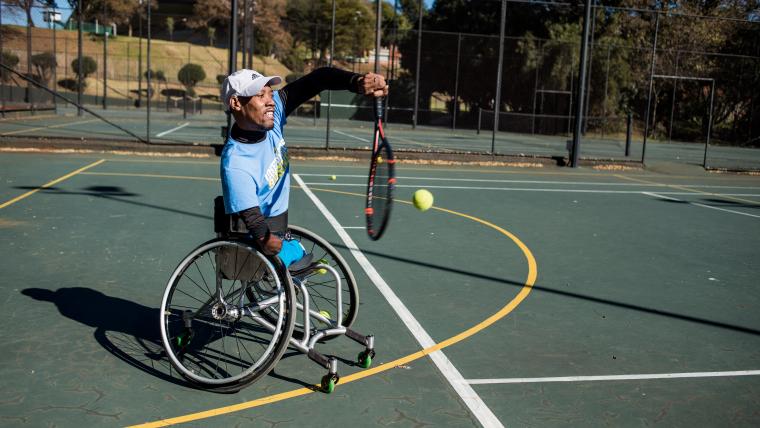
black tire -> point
(226, 347)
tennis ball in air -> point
(379, 159)
(422, 200)
(333, 178)
(325, 314)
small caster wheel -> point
(328, 382)
(184, 338)
(365, 358)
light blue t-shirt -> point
(258, 174)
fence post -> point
(651, 85)
(105, 69)
(628, 133)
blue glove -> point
(291, 252)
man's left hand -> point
(374, 85)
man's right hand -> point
(272, 245)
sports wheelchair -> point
(229, 311)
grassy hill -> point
(123, 53)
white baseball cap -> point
(245, 83)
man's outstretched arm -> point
(335, 79)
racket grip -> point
(379, 107)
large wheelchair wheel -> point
(227, 314)
(322, 284)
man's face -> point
(254, 113)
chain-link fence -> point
(661, 84)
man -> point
(255, 169)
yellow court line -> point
(177, 177)
(60, 125)
(51, 183)
(688, 189)
(27, 118)
(501, 313)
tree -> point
(26, 6)
(170, 27)
(190, 75)
(109, 11)
(44, 63)
(89, 66)
(10, 60)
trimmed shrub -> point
(189, 75)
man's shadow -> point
(126, 329)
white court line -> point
(354, 227)
(580, 183)
(528, 189)
(659, 195)
(465, 391)
(352, 136)
(612, 377)
(60, 125)
(173, 129)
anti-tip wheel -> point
(328, 383)
(365, 359)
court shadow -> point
(568, 294)
(112, 193)
(715, 202)
(126, 329)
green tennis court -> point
(526, 297)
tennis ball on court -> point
(422, 200)
(325, 314)
(333, 178)
(322, 271)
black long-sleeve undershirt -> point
(293, 95)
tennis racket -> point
(382, 179)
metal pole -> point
(232, 65)
(329, 93)
(590, 68)
(535, 87)
(606, 83)
(139, 57)
(79, 57)
(55, 63)
(127, 94)
(628, 134)
(673, 102)
(105, 68)
(148, 78)
(709, 122)
(2, 83)
(417, 73)
(456, 85)
(246, 33)
(581, 86)
(651, 85)
(497, 99)
(253, 34)
(378, 28)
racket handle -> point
(379, 107)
